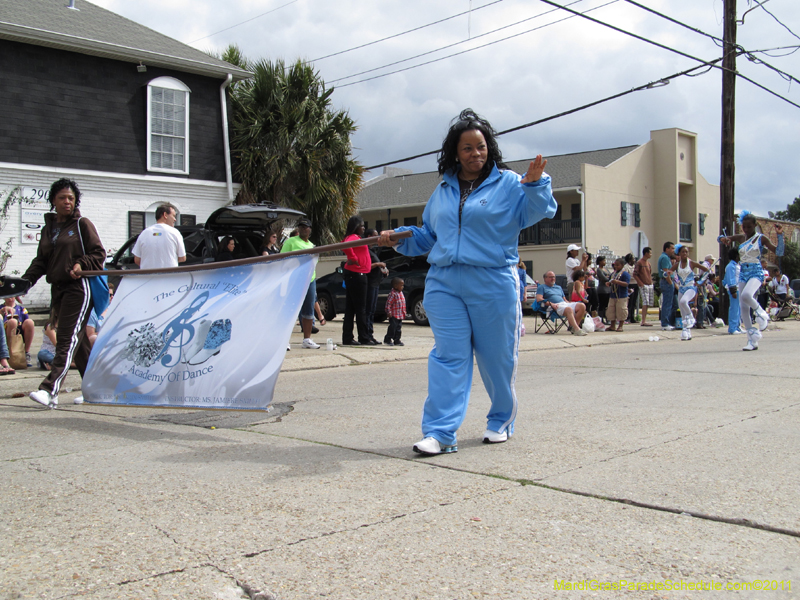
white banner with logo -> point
(201, 339)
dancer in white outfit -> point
(751, 276)
(687, 290)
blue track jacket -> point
(492, 218)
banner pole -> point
(248, 261)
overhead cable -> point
(243, 22)
(472, 49)
(648, 86)
(461, 14)
(451, 46)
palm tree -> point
(290, 147)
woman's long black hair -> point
(354, 223)
(465, 121)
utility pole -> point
(727, 162)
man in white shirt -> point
(161, 245)
(574, 263)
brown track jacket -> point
(55, 258)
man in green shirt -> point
(301, 242)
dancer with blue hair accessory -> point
(751, 274)
(687, 289)
(470, 231)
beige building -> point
(612, 201)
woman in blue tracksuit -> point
(470, 230)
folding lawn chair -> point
(546, 318)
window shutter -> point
(410, 221)
(394, 224)
(636, 216)
(702, 224)
(135, 223)
(188, 219)
(624, 213)
(379, 225)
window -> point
(167, 126)
(796, 236)
(135, 223)
(188, 219)
(630, 214)
(410, 221)
(557, 216)
(575, 210)
(393, 224)
(379, 225)
(701, 229)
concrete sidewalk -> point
(661, 463)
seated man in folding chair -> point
(550, 295)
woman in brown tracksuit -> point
(69, 244)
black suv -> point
(246, 223)
(412, 270)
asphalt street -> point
(659, 466)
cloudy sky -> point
(547, 67)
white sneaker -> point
(494, 437)
(668, 328)
(78, 400)
(737, 332)
(288, 347)
(753, 336)
(432, 446)
(686, 335)
(762, 318)
(577, 332)
(309, 343)
(44, 398)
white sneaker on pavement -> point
(668, 328)
(309, 343)
(494, 437)
(432, 446)
(579, 332)
(78, 400)
(44, 398)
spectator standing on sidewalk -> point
(618, 302)
(603, 291)
(356, 268)
(374, 279)
(396, 310)
(665, 262)
(572, 263)
(633, 288)
(643, 275)
(301, 242)
(160, 246)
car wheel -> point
(326, 306)
(418, 311)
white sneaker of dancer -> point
(44, 398)
(753, 336)
(762, 318)
(494, 437)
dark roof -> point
(100, 32)
(411, 190)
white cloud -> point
(530, 77)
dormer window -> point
(168, 126)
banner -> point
(200, 339)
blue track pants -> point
(471, 310)
(734, 316)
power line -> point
(657, 44)
(787, 76)
(450, 45)
(471, 49)
(243, 22)
(461, 14)
(668, 18)
(761, 4)
(652, 85)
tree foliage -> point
(291, 147)
(792, 212)
(790, 262)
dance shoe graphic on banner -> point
(202, 339)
